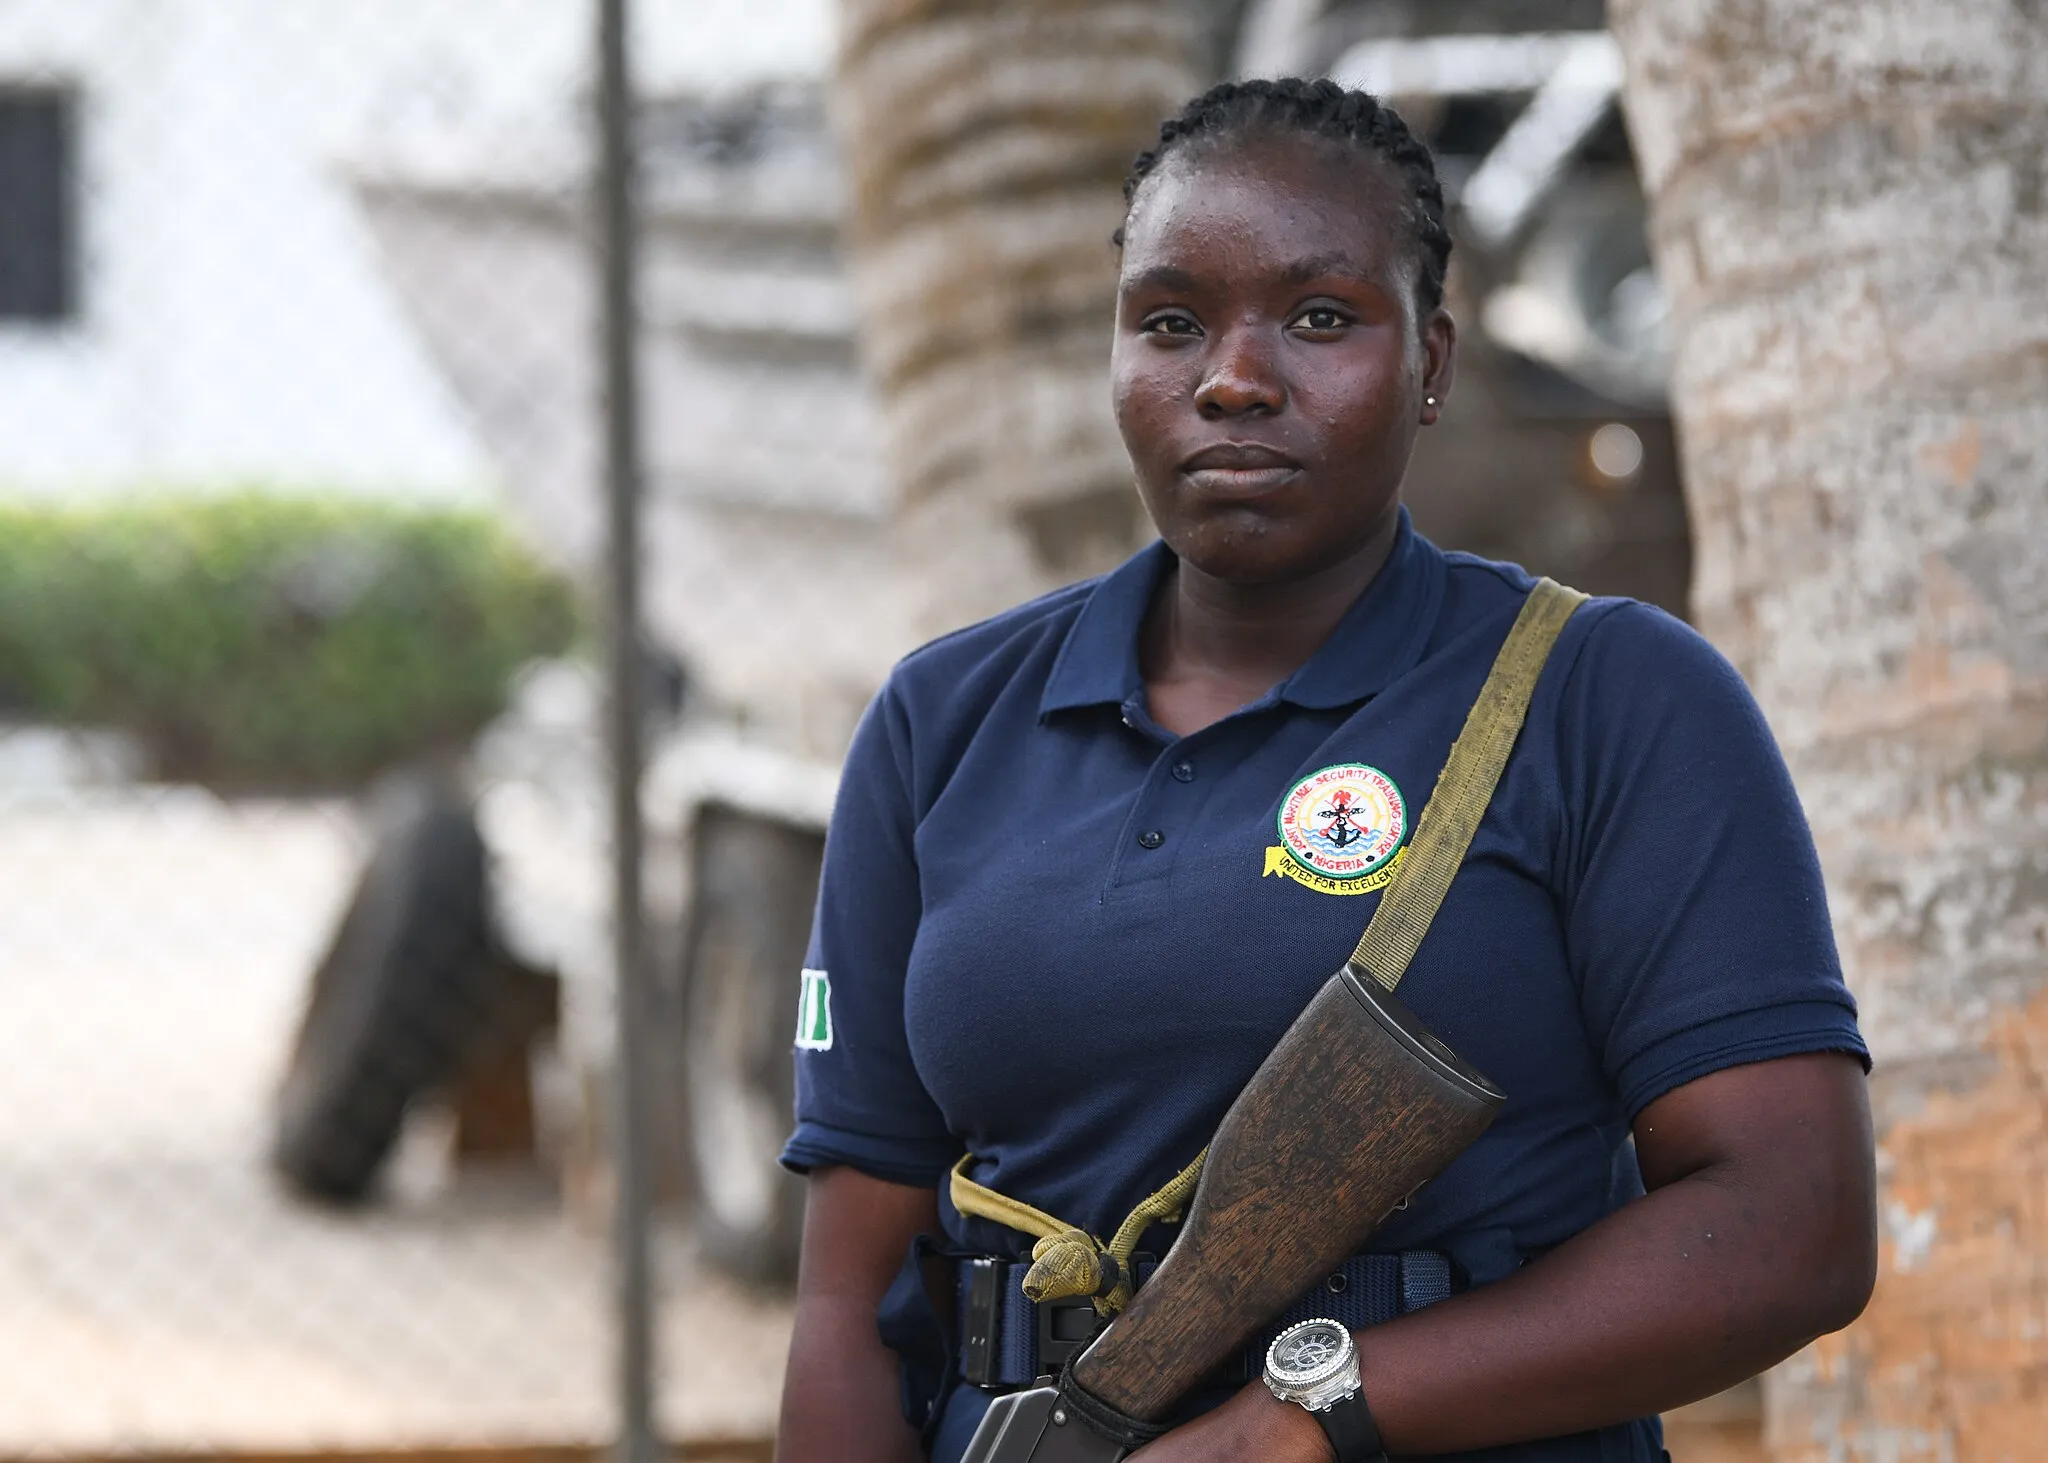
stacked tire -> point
(406, 983)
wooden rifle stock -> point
(1356, 1108)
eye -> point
(1168, 324)
(1321, 320)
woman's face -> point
(1270, 367)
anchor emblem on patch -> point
(1341, 830)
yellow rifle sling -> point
(1067, 1261)
(1471, 772)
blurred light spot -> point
(1617, 452)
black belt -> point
(1007, 1341)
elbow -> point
(1831, 1209)
(1843, 1223)
(1840, 1295)
(1853, 1278)
(1812, 1289)
(1816, 1266)
(1837, 1273)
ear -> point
(1439, 363)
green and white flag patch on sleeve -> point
(814, 1013)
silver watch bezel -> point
(1317, 1387)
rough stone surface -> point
(1951, 1363)
(1850, 210)
(986, 145)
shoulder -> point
(970, 663)
(979, 680)
(1647, 723)
(1621, 652)
(1638, 669)
(1000, 638)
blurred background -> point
(308, 986)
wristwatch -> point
(1315, 1364)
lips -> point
(1238, 457)
(1239, 468)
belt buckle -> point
(1064, 1327)
(982, 1282)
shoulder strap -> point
(1452, 814)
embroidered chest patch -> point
(1341, 830)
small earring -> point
(1429, 401)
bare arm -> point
(1758, 1234)
(839, 1394)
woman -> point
(1063, 920)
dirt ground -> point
(157, 1294)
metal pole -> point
(617, 237)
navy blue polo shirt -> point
(1054, 935)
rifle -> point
(1356, 1108)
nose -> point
(1242, 378)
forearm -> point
(840, 1392)
(839, 1395)
(1670, 1299)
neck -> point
(1255, 635)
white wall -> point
(234, 324)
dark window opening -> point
(1470, 125)
(37, 267)
(1608, 142)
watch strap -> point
(1349, 1425)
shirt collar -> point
(1380, 637)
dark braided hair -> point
(1321, 108)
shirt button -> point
(1151, 838)
(1183, 772)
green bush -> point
(266, 642)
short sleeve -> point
(859, 1100)
(1695, 917)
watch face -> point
(1311, 1352)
